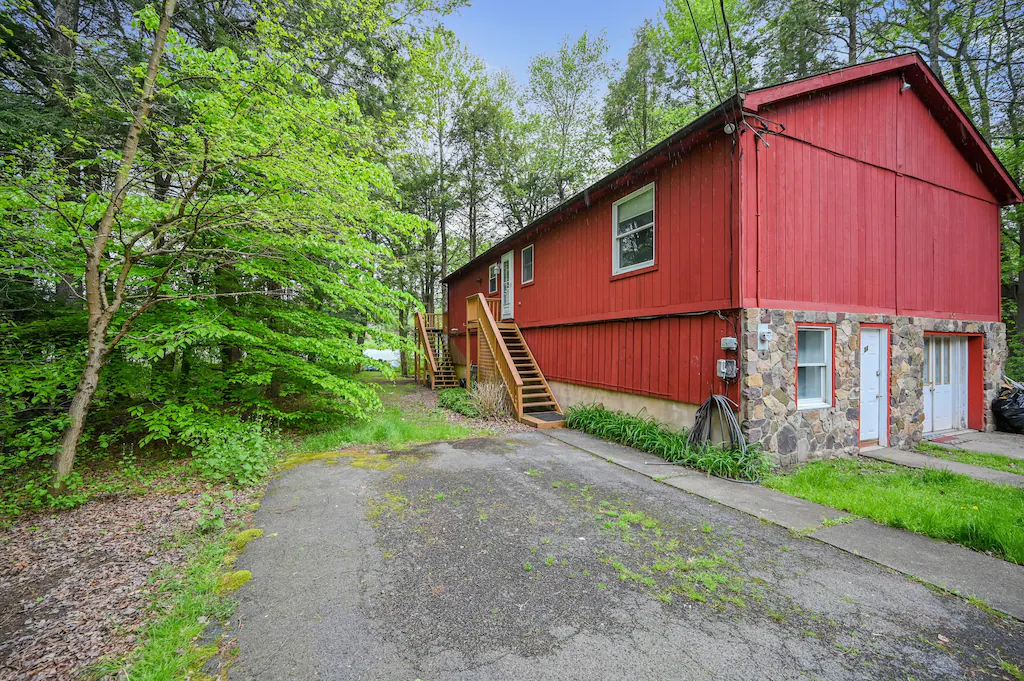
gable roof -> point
(920, 77)
(915, 72)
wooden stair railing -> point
(439, 372)
(526, 385)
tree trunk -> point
(403, 333)
(934, 35)
(101, 312)
(852, 39)
(64, 460)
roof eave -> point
(642, 163)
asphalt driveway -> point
(526, 558)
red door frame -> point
(888, 379)
(975, 376)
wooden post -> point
(469, 360)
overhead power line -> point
(700, 41)
(732, 54)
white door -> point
(506, 286)
(945, 383)
(874, 384)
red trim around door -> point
(975, 376)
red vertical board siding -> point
(929, 155)
(684, 372)
(818, 231)
(864, 204)
(577, 317)
(947, 254)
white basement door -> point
(945, 383)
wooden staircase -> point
(533, 403)
(433, 343)
(537, 395)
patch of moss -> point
(242, 539)
(377, 462)
(232, 581)
(298, 459)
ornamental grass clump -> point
(649, 435)
(491, 399)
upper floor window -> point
(814, 367)
(527, 260)
(633, 226)
(492, 278)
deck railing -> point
(434, 321)
(423, 341)
(495, 306)
(479, 309)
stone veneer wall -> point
(768, 381)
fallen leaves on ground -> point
(75, 585)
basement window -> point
(633, 231)
(814, 367)
(492, 278)
(527, 260)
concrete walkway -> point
(948, 566)
(918, 460)
(1007, 444)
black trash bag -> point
(1008, 410)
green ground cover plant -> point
(651, 436)
(458, 400)
(995, 461)
(937, 503)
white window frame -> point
(492, 276)
(616, 269)
(522, 265)
(825, 401)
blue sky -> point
(507, 33)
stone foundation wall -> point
(768, 381)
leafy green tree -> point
(693, 34)
(444, 71)
(477, 126)
(795, 39)
(640, 107)
(518, 160)
(563, 91)
(271, 179)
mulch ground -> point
(75, 585)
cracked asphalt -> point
(525, 558)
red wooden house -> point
(824, 252)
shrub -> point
(459, 401)
(651, 436)
(223, 447)
(491, 399)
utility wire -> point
(711, 72)
(732, 54)
(737, 113)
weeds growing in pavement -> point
(994, 461)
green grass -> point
(649, 435)
(937, 503)
(994, 461)
(392, 426)
(167, 652)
